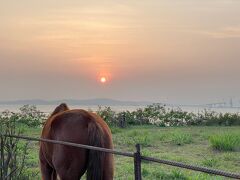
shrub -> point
(160, 115)
(13, 153)
(108, 115)
(211, 118)
(31, 116)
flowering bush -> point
(160, 115)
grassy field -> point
(215, 147)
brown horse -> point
(70, 163)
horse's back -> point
(72, 126)
(69, 125)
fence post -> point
(137, 163)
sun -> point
(103, 80)
(104, 77)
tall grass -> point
(225, 142)
(180, 138)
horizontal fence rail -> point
(128, 154)
(137, 157)
(192, 167)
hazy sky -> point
(176, 51)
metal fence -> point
(137, 158)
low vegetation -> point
(160, 115)
(158, 142)
(162, 133)
(226, 141)
(13, 152)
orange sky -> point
(178, 51)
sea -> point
(194, 109)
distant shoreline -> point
(118, 108)
(85, 102)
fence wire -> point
(129, 154)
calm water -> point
(50, 108)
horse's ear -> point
(62, 107)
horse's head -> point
(62, 107)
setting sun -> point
(103, 79)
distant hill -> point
(86, 102)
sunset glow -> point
(172, 51)
(103, 80)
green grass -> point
(181, 138)
(210, 162)
(226, 142)
(189, 145)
